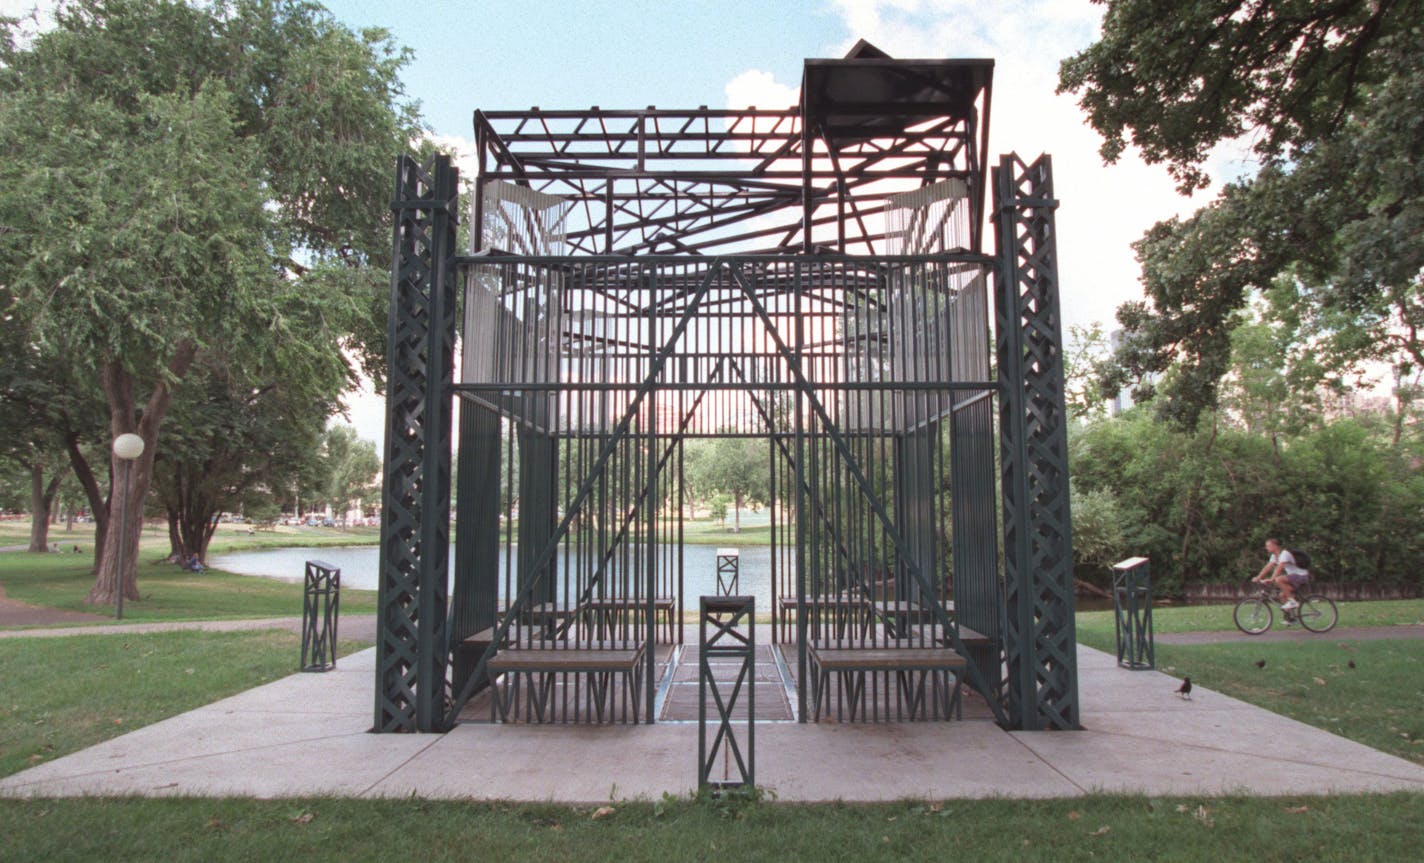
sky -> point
(514, 54)
(733, 53)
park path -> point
(20, 620)
(16, 613)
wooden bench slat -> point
(522, 659)
(887, 658)
(933, 632)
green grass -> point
(711, 532)
(229, 537)
(60, 695)
(1262, 830)
(169, 592)
(1096, 627)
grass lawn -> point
(1363, 828)
(169, 592)
(60, 695)
(229, 537)
(1096, 627)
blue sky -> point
(684, 53)
(731, 53)
(512, 55)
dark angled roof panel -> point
(867, 97)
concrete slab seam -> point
(1049, 764)
(13, 785)
(401, 766)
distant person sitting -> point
(195, 564)
(1283, 570)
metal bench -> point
(542, 665)
(922, 675)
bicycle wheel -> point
(1317, 613)
(1253, 615)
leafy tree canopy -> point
(1332, 95)
(193, 183)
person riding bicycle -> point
(1282, 570)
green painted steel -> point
(474, 599)
(1039, 644)
(1132, 617)
(412, 649)
(602, 334)
(321, 610)
(726, 631)
(728, 571)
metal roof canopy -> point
(747, 181)
(871, 95)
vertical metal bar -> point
(801, 479)
(652, 503)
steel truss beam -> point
(1039, 641)
(412, 649)
(680, 181)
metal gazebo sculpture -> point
(813, 279)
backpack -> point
(1302, 557)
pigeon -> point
(1260, 663)
(1185, 690)
(1350, 664)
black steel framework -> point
(726, 634)
(810, 278)
(321, 610)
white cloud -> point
(1103, 208)
(755, 88)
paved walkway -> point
(307, 735)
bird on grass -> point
(1185, 690)
(1260, 663)
(1350, 664)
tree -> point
(1332, 94)
(350, 466)
(230, 443)
(199, 182)
(1087, 352)
(736, 467)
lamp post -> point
(127, 447)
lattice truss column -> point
(412, 650)
(1042, 685)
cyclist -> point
(1282, 570)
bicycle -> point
(1255, 614)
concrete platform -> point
(307, 735)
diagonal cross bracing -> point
(853, 466)
(620, 431)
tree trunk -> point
(737, 517)
(41, 502)
(175, 538)
(117, 570)
(98, 506)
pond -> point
(358, 565)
